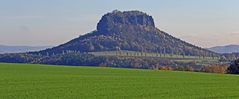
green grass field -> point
(21, 81)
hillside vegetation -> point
(27, 81)
(123, 59)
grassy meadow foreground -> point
(26, 81)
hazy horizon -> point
(52, 22)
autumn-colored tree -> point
(165, 68)
(214, 69)
(179, 68)
(188, 68)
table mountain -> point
(128, 30)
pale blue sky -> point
(204, 23)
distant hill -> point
(225, 49)
(128, 30)
(20, 49)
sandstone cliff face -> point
(127, 21)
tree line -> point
(84, 59)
